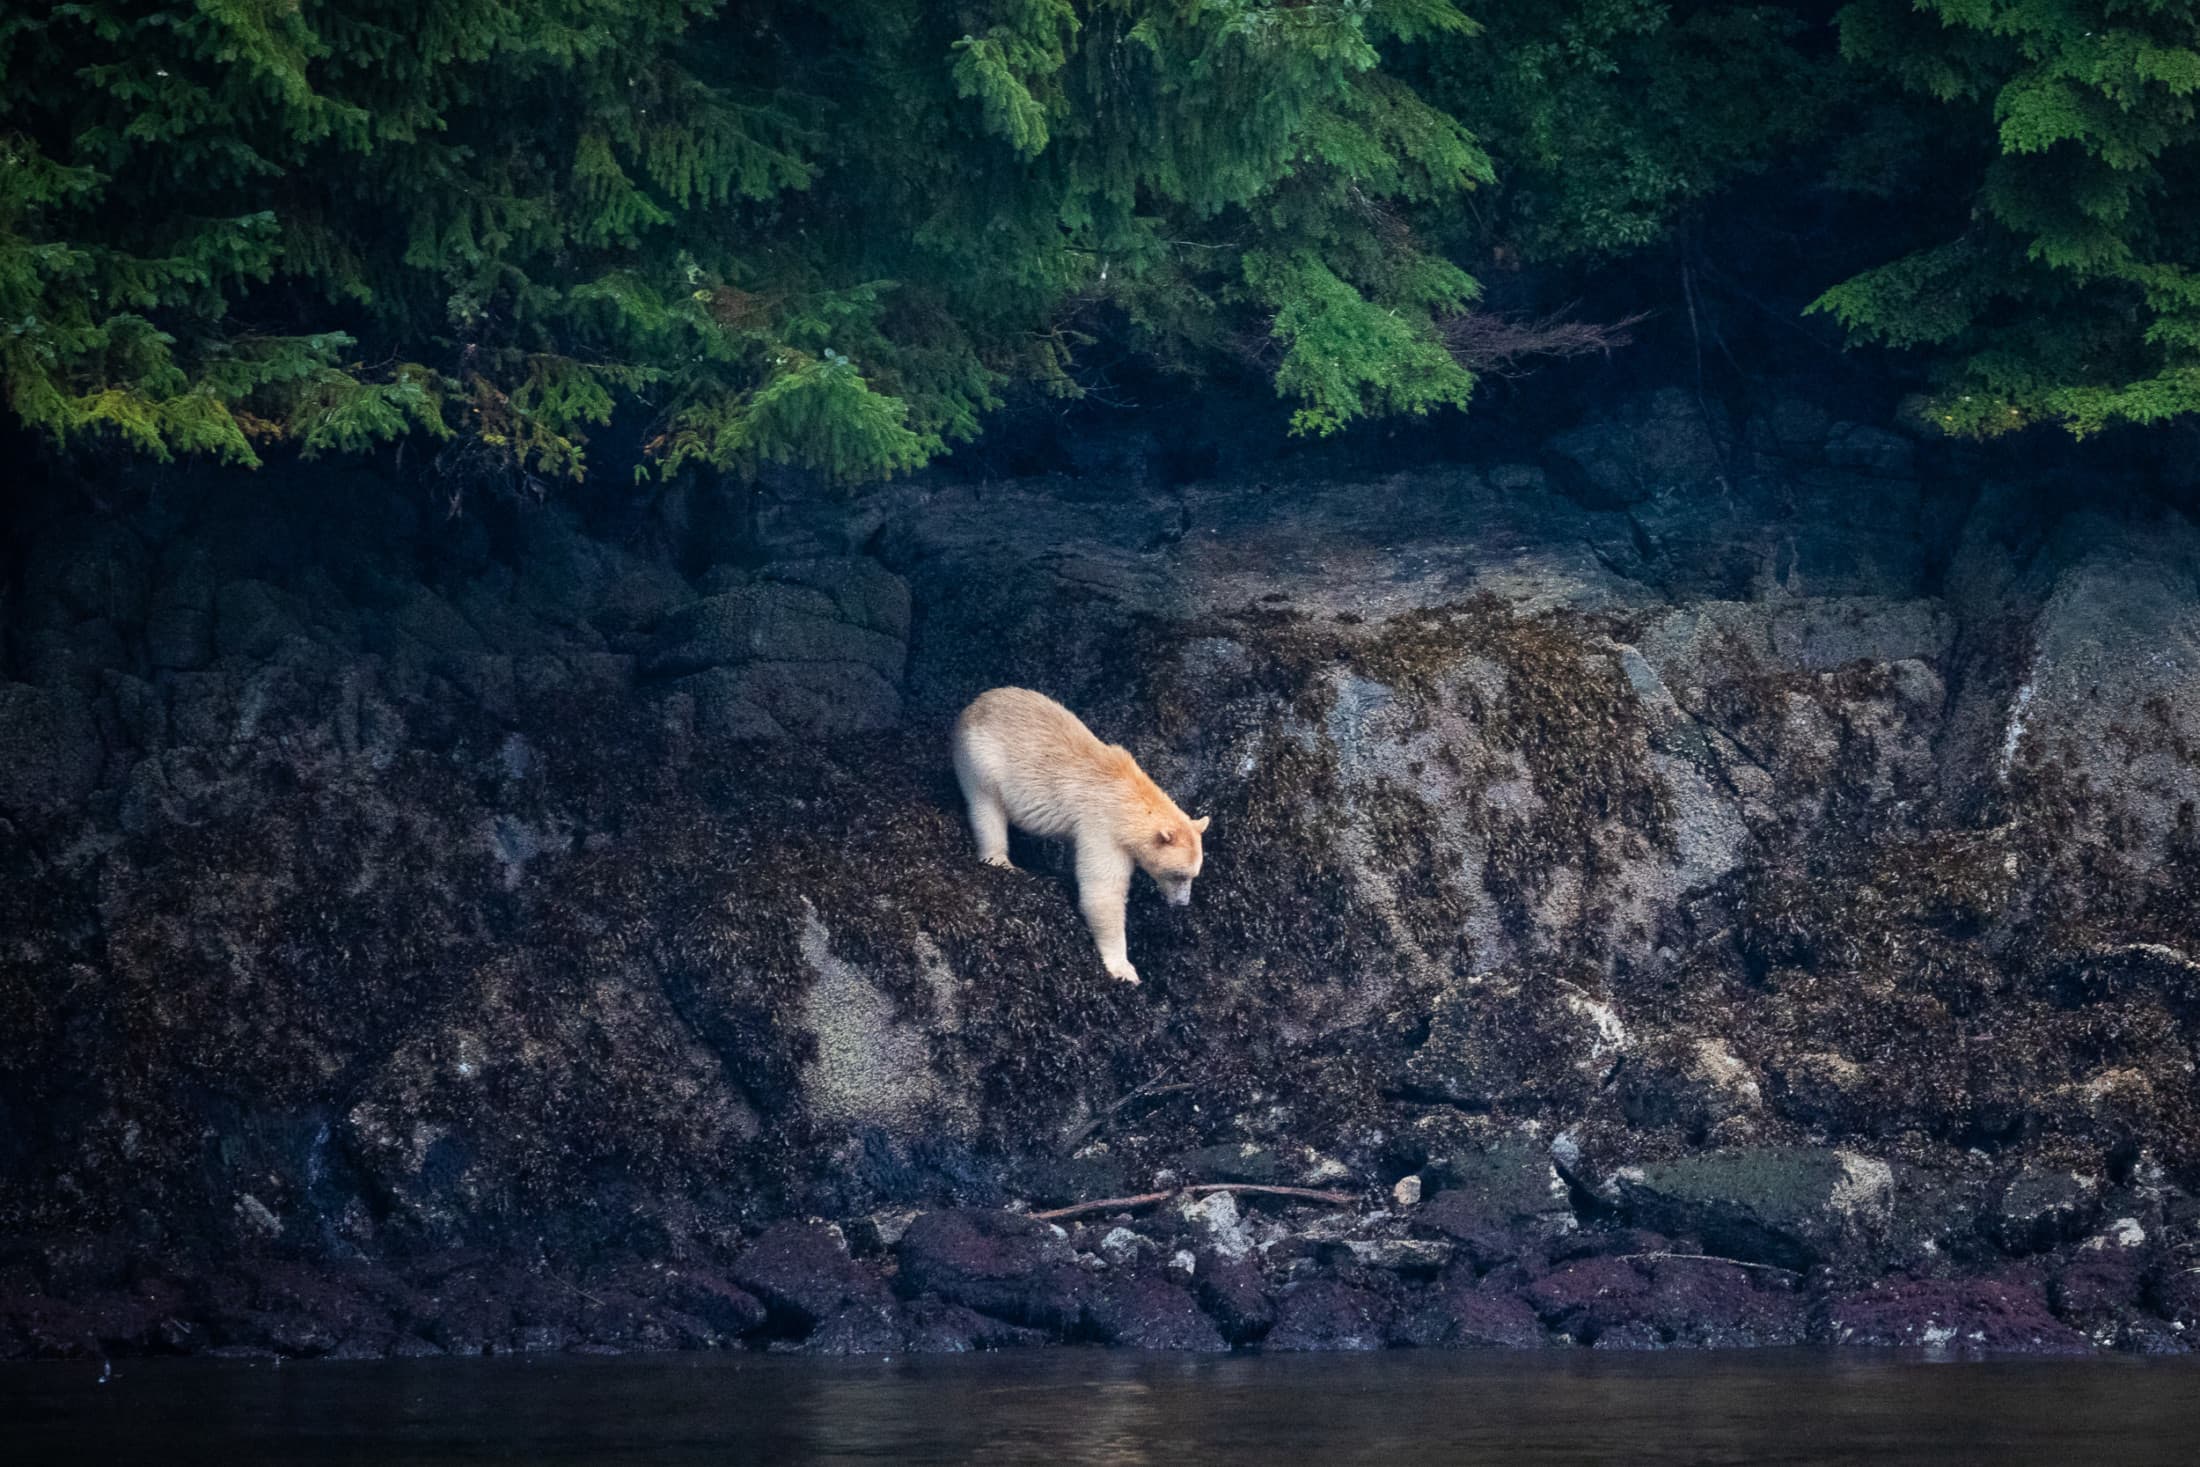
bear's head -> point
(1171, 854)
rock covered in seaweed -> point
(1611, 845)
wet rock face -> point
(1153, 1314)
(1459, 1316)
(1727, 881)
(812, 647)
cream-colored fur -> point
(1027, 761)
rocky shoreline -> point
(1499, 1259)
(1706, 881)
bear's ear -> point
(1164, 837)
(1201, 823)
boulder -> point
(1657, 1298)
(1215, 1221)
(1790, 1207)
(2111, 693)
(726, 1308)
(783, 700)
(863, 592)
(804, 1275)
(2101, 1291)
(936, 1328)
(2037, 1207)
(1151, 1314)
(815, 652)
(867, 1327)
(1234, 1295)
(1455, 1315)
(998, 1263)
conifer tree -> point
(2064, 284)
(824, 234)
(834, 233)
(1611, 119)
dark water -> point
(1071, 1407)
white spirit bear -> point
(1027, 761)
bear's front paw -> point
(999, 862)
(1124, 971)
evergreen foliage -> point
(826, 234)
(2066, 291)
(834, 233)
(1611, 117)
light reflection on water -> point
(1116, 1410)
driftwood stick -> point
(1707, 1258)
(1105, 1204)
(1198, 1189)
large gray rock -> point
(2111, 692)
(1791, 1207)
(811, 649)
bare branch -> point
(1491, 345)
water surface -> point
(1086, 1407)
